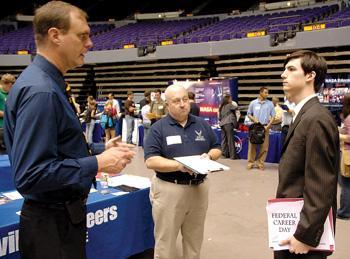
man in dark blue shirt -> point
(50, 159)
(179, 197)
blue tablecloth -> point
(118, 226)
(6, 178)
(241, 142)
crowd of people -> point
(55, 164)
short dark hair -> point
(129, 93)
(8, 78)
(147, 93)
(310, 61)
(263, 88)
(158, 91)
(191, 95)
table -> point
(242, 140)
(241, 143)
(118, 226)
(6, 177)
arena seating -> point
(286, 22)
(23, 39)
(254, 69)
(142, 34)
(280, 25)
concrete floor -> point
(236, 224)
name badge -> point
(160, 107)
(171, 140)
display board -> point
(335, 87)
(209, 94)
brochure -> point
(283, 216)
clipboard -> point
(200, 165)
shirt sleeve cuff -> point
(308, 237)
(89, 165)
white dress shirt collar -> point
(301, 104)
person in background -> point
(147, 95)
(309, 164)
(71, 97)
(90, 120)
(261, 111)
(129, 116)
(344, 182)
(146, 122)
(277, 121)
(116, 105)
(52, 166)
(179, 197)
(287, 117)
(158, 107)
(237, 112)
(228, 124)
(76, 104)
(194, 108)
(111, 113)
(6, 82)
(118, 119)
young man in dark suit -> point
(310, 155)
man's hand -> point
(114, 159)
(205, 156)
(183, 169)
(295, 246)
(116, 142)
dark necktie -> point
(68, 94)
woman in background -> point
(110, 125)
(90, 120)
(344, 135)
(146, 109)
(228, 122)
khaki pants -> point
(263, 151)
(178, 207)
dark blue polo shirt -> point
(48, 154)
(167, 138)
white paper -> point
(283, 216)
(201, 165)
(14, 195)
(129, 180)
(119, 193)
(92, 190)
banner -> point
(209, 94)
(335, 87)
